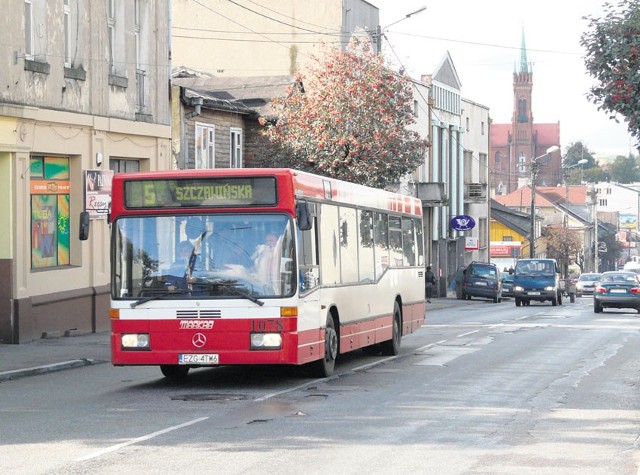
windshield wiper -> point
(246, 296)
(159, 296)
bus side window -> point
(308, 258)
(381, 242)
(395, 241)
(366, 260)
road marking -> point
(430, 345)
(468, 333)
(138, 439)
(442, 356)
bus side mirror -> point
(84, 226)
(303, 216)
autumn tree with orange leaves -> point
(346, 118)
(564, 244)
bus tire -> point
(323, 368)
(392, 347)
(174, 371)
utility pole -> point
(535, 167)
(594, 201)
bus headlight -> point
(266, 341)
(518, 288)
(135, 340)
(549, 288)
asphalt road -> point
(482, 388)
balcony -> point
(432, 194)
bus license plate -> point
(198, 359)
(533, 293)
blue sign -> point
(463, 223)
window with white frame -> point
(116, 33)
(236, 148)
(111, 32)
(141, 37)
(522, 162)
(36, 43)
(67, 33)
(28, 29)
(205, 146)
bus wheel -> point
(392, 347)
(174, 371)
(324, 368)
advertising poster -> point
(43, 232)
(49, 187)
(628, 221)
(98, 192)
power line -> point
(274, 19)
(492, 45)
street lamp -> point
(535, 168)
(579, 162)
(380, 30)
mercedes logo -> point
(199, 340)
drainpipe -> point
(196, 103)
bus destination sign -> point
(199, 192)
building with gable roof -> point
(441, 178)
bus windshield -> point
(203, 256)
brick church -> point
(513, 146)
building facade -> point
(442, 190)
(86, 93)
(475, 140)
(255, 40)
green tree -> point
(612, 45)
(347, 119)
(574, 171)
(595, 175)
(624, 169)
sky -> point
(484, 40)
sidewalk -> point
(64, 352)
(53, 354)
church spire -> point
(524, 66)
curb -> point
(36, 370)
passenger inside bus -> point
(266, 261)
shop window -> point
(49, 183)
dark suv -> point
(482, 279)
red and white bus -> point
(260, 266)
